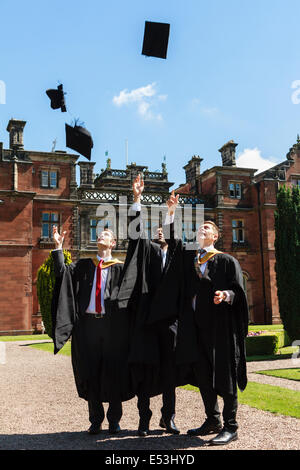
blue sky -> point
(228, 75)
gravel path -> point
(40, 409)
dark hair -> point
(155, 228)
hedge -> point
(261, 345)
(283, 338)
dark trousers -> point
(95, 331)
(166, 335)
(96, 412)
(167, 410)
(210, 400)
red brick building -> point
(243, 205)
(36, 190)
(39, 189)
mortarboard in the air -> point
(57, 98)
(156, 37)
(78, 138)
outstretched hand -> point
(172, 202)
(138, 188)
(58, 239)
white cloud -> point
(144, 97)
(209, 111)
(251, 158)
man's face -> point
(105, 240)
(206, 235)
(159, 236)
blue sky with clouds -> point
(229, 74)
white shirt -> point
(164, 257)
(104, 272)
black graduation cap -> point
(79, 139)
(156, 37)
(57, 98)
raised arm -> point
(57, 254)
(134, 228)
(137, 189)
(168, 227)
(172, 203)
(58, 239)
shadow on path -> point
(125, 440)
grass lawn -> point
(283, 353)
(265, 327)
(49, 347)
(268, 398)
(291, 374)
(24, 338)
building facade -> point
(39, 189)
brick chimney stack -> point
(15, 128)
(192, 171)
(228, 153)
(86, 174)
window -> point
(49, 179)
(93, 230)
(189, 231)
(48, 220)
(238, 235)
(148, 229)
(235, 190)
(296, 181)
(97, 226)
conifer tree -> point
(45, 286)
(287, 252)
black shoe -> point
(208, 427)
(95, 429)
(224, 437)
(143, 429)
(169, 426)
(114, 428)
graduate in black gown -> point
(212, 327)
(152, 356)
(85, 307)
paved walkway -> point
(40, 409)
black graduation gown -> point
(103, 377)
(154, 308)
(211, 340)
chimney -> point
(86, 174)
(15, 128)
(192, 171)
(228, 153)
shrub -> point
(45, 286)
(262, 344)
(283, 338)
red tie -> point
(98, 287)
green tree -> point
(45, 287)
(287, 252)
